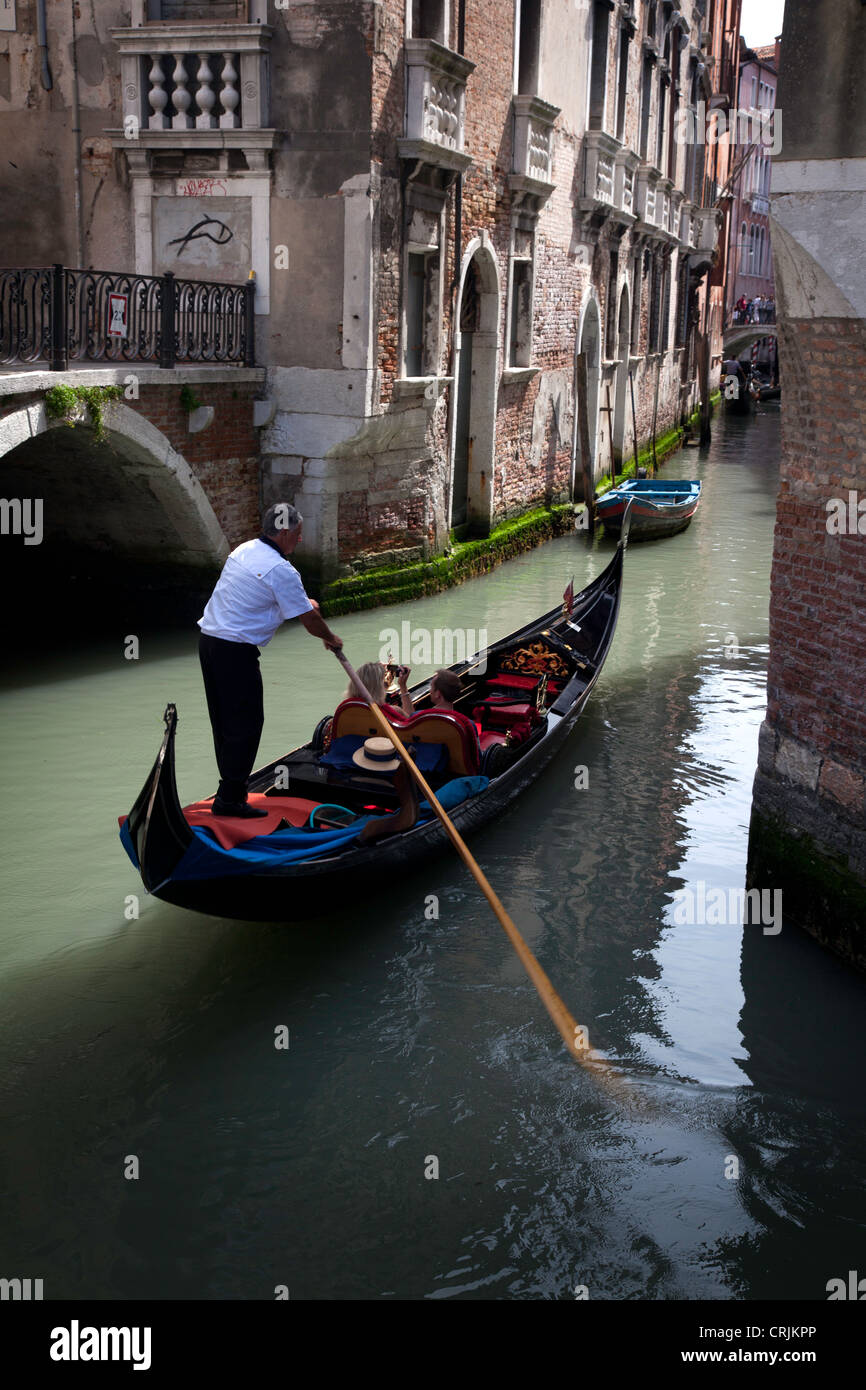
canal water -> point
(728, 1160)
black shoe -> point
(240, 810)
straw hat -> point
(377, 755)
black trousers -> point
(235, 703)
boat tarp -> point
(204, 858)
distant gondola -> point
(660, 506)
(522, 695)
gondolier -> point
(258, 590)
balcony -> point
(194, 86)
(435, 106)
(647, 198)
(705, 233)
(600, 152)
(760, 205)
(532, 160)
(721, 72)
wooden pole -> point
(633, 418)
(583, 435)
(704, 380)
(572, 1035)
(656, 411)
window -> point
(637, 291)
(752, 231)
(743, 249)
(428, 20)
(528, 47)
(215, 10)
(520, 345)
(622, 83)
(654, 307)
(420, 357)
(598, 65)
(645, 103)
(682, 325)
(660, 134)
(753, 102)
(665, 304)
(610, 330)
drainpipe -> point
(76, 146)
(458, 191)
(42, 41)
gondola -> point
(660, 506)
(521, 698)
(737, 395)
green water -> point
(413, 1038)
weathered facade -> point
(750, 258)
(808, 832)
(442, 203)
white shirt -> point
(257, 591)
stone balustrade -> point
(191, 80)
(435, 105)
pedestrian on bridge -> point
(258, 590)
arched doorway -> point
(623, 342)
(476, 376)
(589, 343)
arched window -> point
(743, 250)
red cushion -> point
(489, 737)
(507, 682)
(497, 715)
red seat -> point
(495, 713)
(488, 737)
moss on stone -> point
(468, 559)
(62, 402)
(819, 891)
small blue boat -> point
(660, 506)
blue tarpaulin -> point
(204, 858)
(429, 757)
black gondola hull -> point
(297, 891)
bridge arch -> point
(125, 523)
(743, 335)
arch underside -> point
(126, 531)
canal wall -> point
(808, 829)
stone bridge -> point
(742, 335)
(156, 504)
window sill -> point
(430, 387)
(513, 376)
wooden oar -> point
(572, 1034)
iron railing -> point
(60, 316)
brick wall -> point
(816, 675)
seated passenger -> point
(444, 689)
(372, 673)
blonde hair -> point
(372, 673)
